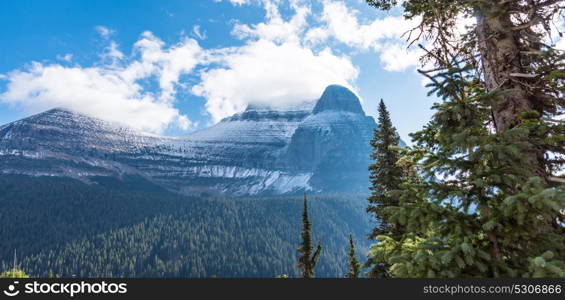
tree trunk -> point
(499, 47)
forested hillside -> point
(117, 229)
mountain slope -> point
(111, 230)
(259, 151)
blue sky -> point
(171, 67)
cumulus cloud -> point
(275, 28)
(113, 51)
(268, 73)
(396, 57)
(342, 23)
(167, 64)
(384, 36)
(275, 67)
(282, 60)
(111, 91)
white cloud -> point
(66, 58)
(275, 28)
(395, 57)
(269, 73)
(341, 23)
(287, 59)
(198, 32)
(274, 67)
(283, 60)
(236, 2)
(111, 91)
(104, 31)
(168, 64)
(114, 52)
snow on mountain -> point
(259, 151)
(338, 98)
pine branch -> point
(556, 179)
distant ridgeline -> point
(261, 151)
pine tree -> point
(354, 266)
(487, 200)
(385, 176)
(15, 272)
(307, 260)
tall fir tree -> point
(307, 260)
(488, 200)
(354, 266)
(385, 176)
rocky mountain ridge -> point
(324, 148)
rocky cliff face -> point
(333, 142)
(258, 151)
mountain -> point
(261, 151)
(86, 197)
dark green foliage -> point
(65, 227)
(382, 4)
(354, 266)
(307, 260)
(477, 210)
(39, 213)
(488, 200)
(385, 176)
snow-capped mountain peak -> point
(259, 151)
(338, 98)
